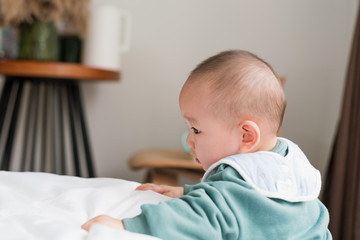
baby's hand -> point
(166, 190)
(105, 220)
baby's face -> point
(210, 138)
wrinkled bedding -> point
(48, 206)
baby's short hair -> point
(242, 85)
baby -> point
(256, 185)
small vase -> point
(70, 47)
(38, 40)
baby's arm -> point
(166, 190)
(105, 220)
(169, 191)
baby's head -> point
(237, 90)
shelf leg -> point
(4, 101)
(73, 130)
(44, 143)
(36, 87)
(5, 164)
(85, 138)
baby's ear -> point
(250, 136)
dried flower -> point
(46, 10)
(73, 12)
(13, 12)
(76, 14)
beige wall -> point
(306, 41)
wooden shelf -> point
(60, 70)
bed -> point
(49, 206)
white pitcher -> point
(108, 36)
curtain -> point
(342, 187)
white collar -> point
(291, 178)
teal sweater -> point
(226, 207)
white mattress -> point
(49, 206)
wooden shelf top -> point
(60, 70)
(162, 158)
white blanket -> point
(48, 206)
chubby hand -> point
(105, 220)
(166, 190)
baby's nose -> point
(189, 141)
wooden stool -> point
(165, 166)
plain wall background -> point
(307, 41)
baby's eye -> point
(196, 131)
